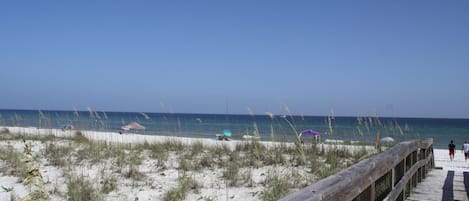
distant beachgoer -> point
(465, 148)
(377, 141)
(317, 138)
(451, 148)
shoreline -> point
(135, 138)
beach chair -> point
(226, 136)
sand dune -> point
(158, 180)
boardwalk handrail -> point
(389, 175)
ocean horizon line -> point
(241, 114)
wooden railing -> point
(389, 176)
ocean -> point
(278, 128)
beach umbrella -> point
(227, 133)
(309, 132)
(125, 128)
(386, 139)
(67, 126)
(133, 126)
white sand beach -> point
(139, 175)
(458, 164)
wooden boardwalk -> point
(389, 176)
(447, 184)
(442, 185)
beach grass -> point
(249, 164)
(185, 184)
(80, 188)
(14, 166)
(277, 186)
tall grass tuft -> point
(231, 173)
(109, 184)
(79, 188)
(272, 134)
(158, 152)
(13, 166)
(185, 184)
(134, 173)
(57, 154)
(299, 154)
(80, 138)
(257, 149)
(277, 186)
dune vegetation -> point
(78, 168)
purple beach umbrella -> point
(309, 132)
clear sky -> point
(395, 58)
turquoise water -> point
(282, 127)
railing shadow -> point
(466, 182)
(448, 187)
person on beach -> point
(377, 141)
(465, 148)
(451, 147)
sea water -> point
(278, 128)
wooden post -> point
(393, 176)
(373, 191)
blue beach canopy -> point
(227, 133)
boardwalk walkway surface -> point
(447, 184)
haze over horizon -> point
(393, 59)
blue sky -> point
(393, 58)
